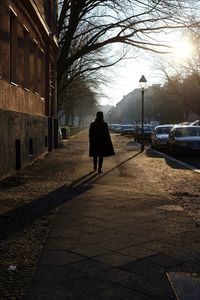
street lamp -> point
(143, 83)
(110, 112)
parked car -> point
(148, 129)
(195, 123)
(184, 139)
(159, 136)
(115, 128)
(127, 129)
(185, 123)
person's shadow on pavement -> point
(26, 214)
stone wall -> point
(28, 131)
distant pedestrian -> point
(100, 141)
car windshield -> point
(163, 130)
(189, 131)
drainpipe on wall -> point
(55, 112)
(48, 104)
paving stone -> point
(156, 286)
(88, 268)
(59, 257)
(114, 258)
(61, 244)
(152, 264)
(115, 244)
(137, 251)
(89, 250)
(121, 277)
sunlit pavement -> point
(189, 162)
(117, 235)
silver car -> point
(160, 135)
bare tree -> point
(183, 76)
(79, 100)
(86, 26)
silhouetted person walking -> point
(100, 141)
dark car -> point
(127, 129)
(148, 129)
(159, 136)
(115, 128)
(184, 139)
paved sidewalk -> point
(115, 236)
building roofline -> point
(45, 26)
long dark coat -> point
(100, 141)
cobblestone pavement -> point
(26, 214)
(31, 200)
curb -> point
(186, 165)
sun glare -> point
(182, 50)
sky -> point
(126, 78)
(126, 75)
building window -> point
(32, 62)
(35, 67)
(55, 10)
(20, 55)
(41, 73)
(13, 47)
(26, 59)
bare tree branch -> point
(93, 24)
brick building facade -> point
(28, 51)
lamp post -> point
(143, 83)
(110, 112)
